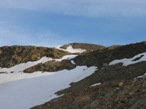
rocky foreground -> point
(111, 86)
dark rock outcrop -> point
(51, 66)
(106, 55)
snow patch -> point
(23, 66)
(97, 84)
(71, 49)
(68, 57)
(5, 78)
(73, 62)
(88, 71)
(129, 61)
(29, 90)
(142, 76)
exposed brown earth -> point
(12, 55)
(51, 66)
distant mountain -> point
(86, 46)
(73, 76)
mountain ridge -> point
(112, 85)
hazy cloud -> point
(29, 22)
(12, 34)
(94, 8)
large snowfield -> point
(20, 90)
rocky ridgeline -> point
(104, 56)
(12, 55)
(87, 47)
(120, 88)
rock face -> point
(120, 88)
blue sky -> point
(55, 22)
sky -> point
(56, 22)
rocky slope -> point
(118, 83)
(111, 86)
(12, 55)
(51, 66)
(102, 57)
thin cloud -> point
(13, 35)
(94, 8)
